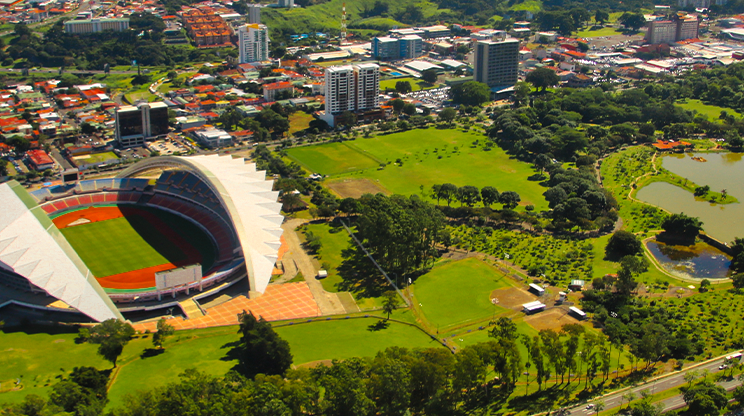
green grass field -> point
(332, 158)
(710, 111)
(593, 33)
(38, 359)
(333, 244)
(299, 121)
(98, 157)
(430, 156)
(132, 243)
(416, 84)
(458, 292)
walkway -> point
(279, 302)
(328, 303)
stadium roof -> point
(247, 197)
(32, 246)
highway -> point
(657, 385)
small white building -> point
(577, 313)
(536, 289)
(533, 307)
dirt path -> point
(328, 303)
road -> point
(658, 385)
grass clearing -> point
(533, 6)
(458, 292)
(299, 121)
(710, 111)
(335, 240)
(416, 84)
(597, 31)
(332, 158)
(97, 157)
(429, 156)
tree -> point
(682, 225)
(705, 399)
(542, 78)
(542, 161)
(164, 330)
(509, 199)
(623, 243)
(598, 407)
(447, 115)
(468, 195)
(489, 196)
(397, 105)
(738, 280)
(601, 16)
(633, 21)
(471, 93)
(347, 118)
(409, 109)
(111, 336)
(448, 192)
(737, 255)
(738, 395)
(429, 75)
(261, 350)
(389, 302)
(403, 87)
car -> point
(723, 366)
(589, 406)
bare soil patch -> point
(354, 188)
(512, 297)
(551, 319)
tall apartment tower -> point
(135, 124)
(253, 43)
(497, 62)
(354, 88)
(254, 14)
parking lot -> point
(167, 147)
(435, 96)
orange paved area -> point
(279, 302)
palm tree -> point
(598, 407)
(724, 193)
(628, 397)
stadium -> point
(165, 230)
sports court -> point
(124, 246)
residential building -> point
(39, 160)
(273, 90)
(496, 63)
(206, 28)
(254, 14)
(96, 25)
(354, 88)
(253, 43)
(135, 124)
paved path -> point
(658, 385)
(328, 303)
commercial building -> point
(497, 62)
(39, 160)
(354, 88)
(410, 46)
(135, 124)
(96, 25)
(213, 137)
(285, 3)
(254, 14)
(674, 30)
(253, 43)
(390, 48)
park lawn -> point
(98, 157)
(458, 292)
(416, 84)
(38, 359)
(591, 32)
(206, 350)
(298, 121)
(331, 158)
(429, 157)
(341, 339)
(335, 240)
(710, 111)
(533, 6)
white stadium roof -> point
(31, 246)
(247, 196)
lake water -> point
(721, 171)
(699, 261)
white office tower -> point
(253, 43)
(340, 89)
(367, 86)
(497, 62)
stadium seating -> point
(85, 199)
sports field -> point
(430, 156)
(459, 292)
(124, 246)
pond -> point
(721, 171)
(699, 261)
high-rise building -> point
(354, 88)
(680, 27)
(253, 43)
(254, 14)
(411, 46)
(135, 124)
(96, 25)
(405, 47)
(497, 62)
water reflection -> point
(699, 261)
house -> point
(39, 160)
(576, 285)
(533, 307)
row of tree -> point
(470, 195)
